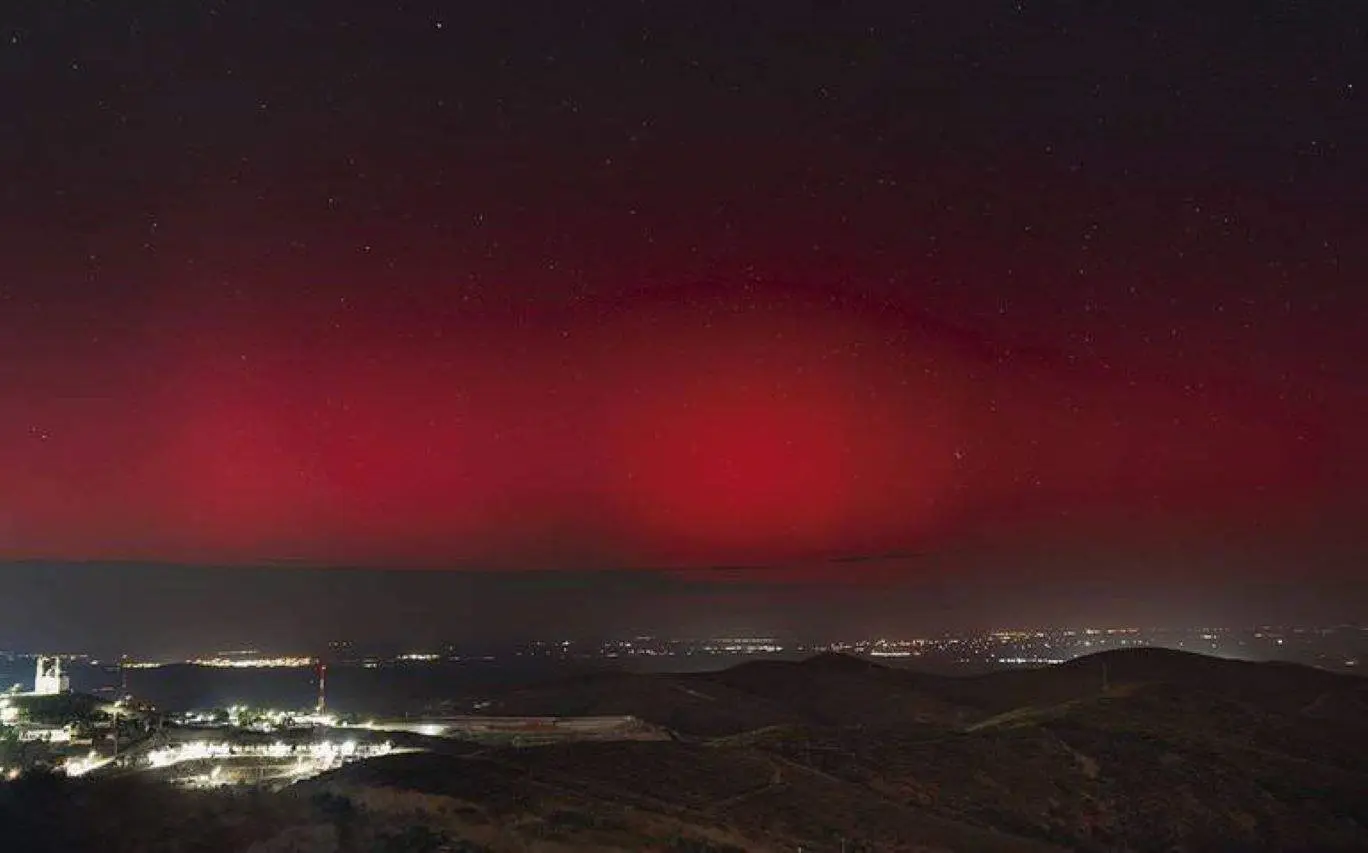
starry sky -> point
(813, 293)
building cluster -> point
(53, 727)
(210, 763)
(253, 719)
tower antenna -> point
(322, 706)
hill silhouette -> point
(1288, 686)
(1172, 751)
(828, 689)
(834, 689)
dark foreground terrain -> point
(1140, 750)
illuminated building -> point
(48, 679)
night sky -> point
(763, 299)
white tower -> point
(49, 679)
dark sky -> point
(656, 287)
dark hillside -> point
(1181, 752)
(684, 704)
(1287, 686)
(842, 690)
(648, 796)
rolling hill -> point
(1180, 752)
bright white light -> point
(309, 759)
(1047, 661)
(254, 663)
(82, 766)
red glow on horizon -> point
(647, 434)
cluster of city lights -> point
(83, 765)
(254, 663)
(227, 662)
(1030, 661)
(314, 757)
(258, 719)
(744, 645)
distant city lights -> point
(255, 663)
